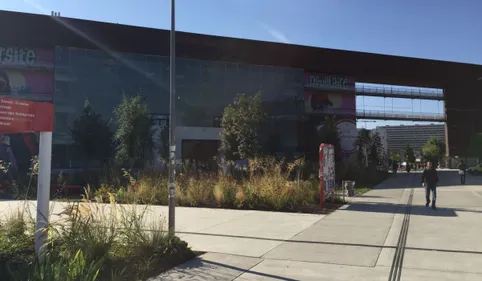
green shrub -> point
(94, 242)
(16, 243)
(224, 192)
(268, 184)
(53, 268)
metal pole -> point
(43, 191)
(172, 126)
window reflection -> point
(203, 89)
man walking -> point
(462, 169)
(429, 181)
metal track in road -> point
(397, 264)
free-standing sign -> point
(20, 116)
(27, 74)
(327, 171)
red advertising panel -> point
(333, 95)
(26, 93)
(25, 57)
(26, 73)
(329, 103)
(20, 116)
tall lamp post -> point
(172, 125)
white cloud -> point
(275, 33)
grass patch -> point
(92, 242)
(360, 190)
(267, 184)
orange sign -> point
(20, 116)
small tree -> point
(317, 132)
(363, 142)
(134, 133)
(329, 132)
(418, 154)
(374, 156)
(409, 154)
(241, 122)
(164, 142)
(92, 135)
(329, 135)
(395, 156)
(433, 150)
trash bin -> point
(349, 186)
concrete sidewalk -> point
(356, 242)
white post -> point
(43, 189)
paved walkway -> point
(357, 242)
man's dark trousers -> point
(433, 189)
(430, 179)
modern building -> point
(397, 137)
(64, 60)
(382, 149)
(382, 134)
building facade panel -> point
(203, 89)
(397, 137)
(39, 31)
(328, 95)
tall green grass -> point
(267, 184)
(92, 241)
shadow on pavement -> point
(396, 181)
(399, 209)
(448, 178)
(368, 196)
(200, 269)
(416, 210)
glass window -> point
(204, 88)
(61, 56)
(62, 92)
(61, 123)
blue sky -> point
(436, 29)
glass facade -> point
(203, 89)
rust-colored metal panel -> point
(46, 31)
(463, 104)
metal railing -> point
(388, 115)
(399, 92)
(399, 115)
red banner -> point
(20, 116)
